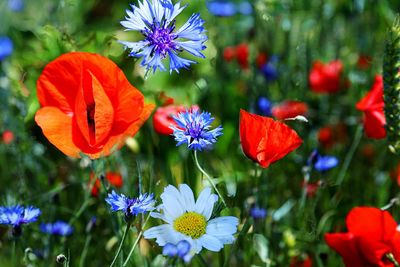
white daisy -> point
(189, 220)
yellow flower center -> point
(191, 224)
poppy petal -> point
(371, 222)
(56, 126)
(345, 244)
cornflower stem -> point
(349, 156)
(85, 250)
(202, 260)
(208, 178)
(392, 259)
(136, 242)
(13, 252)
(128, 225)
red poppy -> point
(298, 262)
(311, 188)
(364, 62)
(88, 105)
(113, 178)
(261, 59)
(372, 105)
(371, 235)
(332, 134)
(165, 100)
(395, 174)
(8, 137)
(326, 78)
(289, 109)
(265, 140)
(229, 53)
(242, 55)
(163, 118)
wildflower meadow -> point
(200, 133)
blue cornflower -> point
(130, 206)
(325, 163)
(269, 69)
(16, 5)
(221, 8)
(181, 250)
(245, 8)
(6, 47)
(322, 163)
(258, 213)
(155, 19)
(264, 106)
(193, 129)
(58, 228)
(18, 215)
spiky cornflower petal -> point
(155, 20)
(193, 129)
(57, 228)
(18, 215)
(130, 206)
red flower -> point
(289, 109)
(162, 119)
(242, 55)
(298, 262)
(325, 78)
(88, 105)
(113, 178)
(332, 134)
(229, 53)
(261, 59)
(265, 140)
(371, 236)
(364, 62)
(372, 105)
(8, 137)
(165, 100)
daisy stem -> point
(136, 242)
(128, 225)
(208, 178)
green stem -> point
(136, 242)
(208, 178)
(392, 259)
(202, 260)
(85, 250)
(13, 257)
(349, 156)
(128, 225)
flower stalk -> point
(128, 225)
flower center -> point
(161, 38)
(194, 129)
(191, 224)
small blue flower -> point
(155, 20)
(193, 129)
(325, 163)
(264, 106)
(321, 163)
(58, 228)
(16, 5)
(221, 8)
(130, 206)
(269, 69)
(180, 250)
(245, 8)
(18, 215)
(258, 213)
(6, 47)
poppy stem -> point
(128, 225)
(208, 178)
(349, 156)
(392, 259)
(136, 242)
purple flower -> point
(258, 213)
(6, 47)
(155, 20)
(193, 129)
(18, 215)
(130, 206)
(58, 228)
(180, 250)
